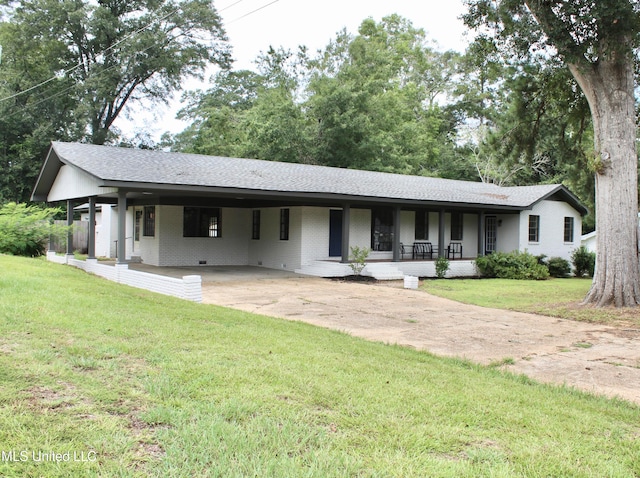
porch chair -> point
(402, 251)
(454, 249)
(423, 249)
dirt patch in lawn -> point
(592, 357)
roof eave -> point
(338, 199)
(47, 175)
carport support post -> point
(122, 226)
(396, 234)
(70, 228)
(346, 221)
(441, 233)
(91, 241)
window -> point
(534, 228)
(201, 222)
(456, 226)
(149, 224)
(381, 229)
(568, 229)
(255, 225)
(284, 224)
(422, 225)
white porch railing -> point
(188, 288)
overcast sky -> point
(254, 25)
(291, 23)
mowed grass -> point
(553, 297)
(139, 384)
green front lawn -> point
(138, 384)
(554, 297)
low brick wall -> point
(188, 288)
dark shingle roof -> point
(118, 166)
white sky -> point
(289, 23)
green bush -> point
(25, 230)
(559, 267)
(512, 265)
(358, 259)
(442, 266)
(584, 262)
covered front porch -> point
(419, 234)
(403, 240)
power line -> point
(73, 68)
(252, 12)
(67, 89)
(229, 6)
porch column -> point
(122, 227)
(480, 234)
(441, 233)
(70, 227)
(346, 221)
(91, 242)
(396, 235)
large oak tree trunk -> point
(609, 88)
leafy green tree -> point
(217, 115)
(251, 114)
(367, 101)
(598, 41)
(276, 128)
(29, 118)
(372, 99)
(111, 52)
(481, 71)
(25, 230)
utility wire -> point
(73, 68)
(140, 30)
(252, 12)
(229, 6)
(65, 90)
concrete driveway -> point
(596, 358)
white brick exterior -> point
(513, 230)
(309, 236)
(508, 232)
(551, 240)
(269, 251)
(173, 249)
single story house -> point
(176, 209)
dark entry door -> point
(335, 233)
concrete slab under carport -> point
(216, 273)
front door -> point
(335, 233)
(490, 234)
